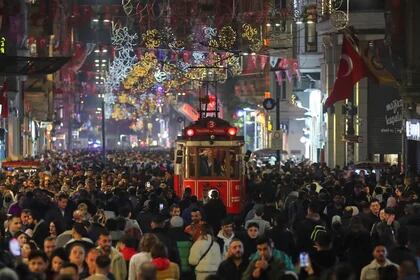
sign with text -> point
(412, 129)
(384, 119)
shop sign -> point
(412, 128)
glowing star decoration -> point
(160, 76)
(199, 57)
(227, 37)
(151, 39)
(209, 32)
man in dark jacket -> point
(324, 257)
(371, 218)
(305, 227)
(60, 212)
(158, 228)
(215, 211)
(266, 266)
(235, 265)
(402, 253)
(386, 231)
(40, 230)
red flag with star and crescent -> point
(350, 70)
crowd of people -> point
(81, 216)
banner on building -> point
(384, 120)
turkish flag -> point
(350, 71)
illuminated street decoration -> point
(199, 57)
(227, 37)
(249, 32)
(151, 39)
(2, 45)
(209, 32)
(121, 38)
(160, 76)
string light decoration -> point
(227, 37)
(199, 57)
(120, 67)
(151, 39)
(121, 38)
(248, 32)
(160, 76)
(209, 32)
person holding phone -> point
(266, 266)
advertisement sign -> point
(384, 120)
(412, 130)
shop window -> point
(391, 159)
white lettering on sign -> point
(395, 107)
(413, 130)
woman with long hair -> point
(58, 258)
(205, 254)
(146, 243)
(165, 268)
(77, 255)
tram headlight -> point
(190, 132)
(232, 131)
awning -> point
(21, 65)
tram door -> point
(209, 169)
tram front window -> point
(211, 162)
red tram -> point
(208, 157)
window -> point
(391, 158)
(191, 162)
(211, 162)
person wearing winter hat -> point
(183, 244)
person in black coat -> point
(303, 229)
(40, 231)
(61, 212)
(372, 217)
(215, 211)
(282, 237)
(249, 239)
(358, 249)
(324, 257)
(401, 252)
(158, 228)
(235, 265)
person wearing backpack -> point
(205, 254)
